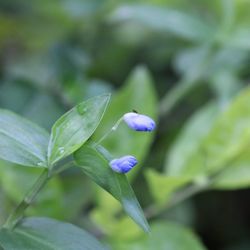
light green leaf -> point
(43, 233)
(190, 138)
(138, 94)
(179, 23)
(162, 186)
(93, 163)
(21, 141)
(235, 175)
(75, 127)
(223, 144)
(239, 38)
(163, 236)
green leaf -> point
(179, 23)
(224, 143)
(162, 186)
(43, 233)
(75, 127)
(163, 236)
(17, 181)
(234, 176)
(21, 141)
(93, 163)
(139, 94)
(239, 38)
(189, 139)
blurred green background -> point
(181, 62)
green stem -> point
(17, 214)
(110, 131)
(179, 197)
(62, 168)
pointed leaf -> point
(75, 127)
(22, 141)
(93, 163)
(49, 234)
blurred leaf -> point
(44, 233)
(21, 141)
(77, 193)
(190, 138)
(230, 87)
(17, 181)
(234, 176)
(239, 38)
(75, 127)
(15, 95)
(139, 94)
(187, 61)
(162, 186)
(38, 70)
(227, 59)
(227, 139)
(181, 24)
(43, 110)
(164, 236)
(97, 168)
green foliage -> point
(75, 127)
(181, 62)
(138, 94)
(179, 23)
(22, 142)
(167, 185)
(96, 166)
(44, 233)
(226, 140)
(164, 236)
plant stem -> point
(18, 212)
(110, 131)
(179, 197)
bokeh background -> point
(175, 60)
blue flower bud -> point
(139, 122)
(123, 164)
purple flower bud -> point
(123, 164)
(139, 122)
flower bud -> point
(123, 164)
(139, 122)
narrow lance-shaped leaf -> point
(75, 127)
(49, 234)
(22, 141)
(96, 166)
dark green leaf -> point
(93, 163)
(21, 141)
(47, 234)
(75, 127)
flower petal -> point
(139, 122)
(123, 164)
